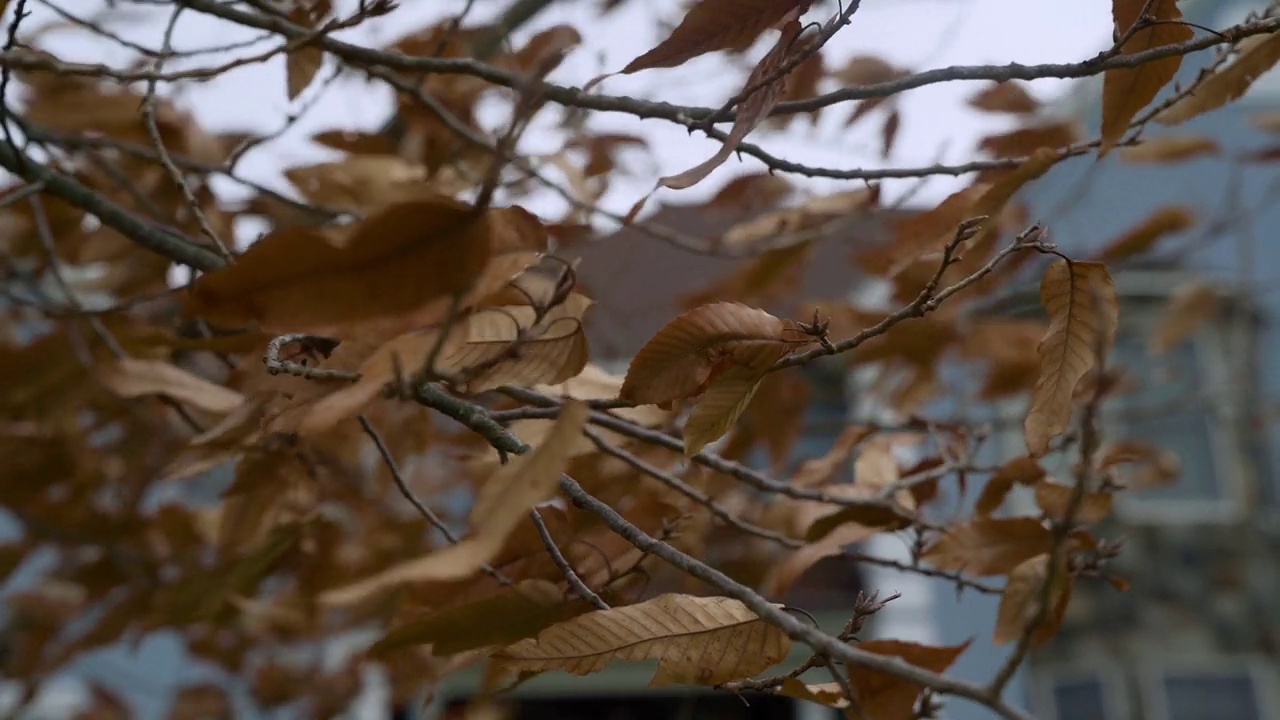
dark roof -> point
(639, 281)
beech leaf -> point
(1142, 237)
(883, 696)
(1189, 308)
(1170, 148)
(719, 407)
(132, 377)
(1024, 470)
(1127, 90)
(1054, 499)
(504, 500)
(1083, 310)
(1009, 96)
(1020, 601)
(989, 546)
(1257, 55)
(696, 641)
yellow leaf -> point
(989, 546)
(1190, 307)
(504, 500)
(1143, 236)
(719, 407)
(130, 377)
(752, 110)
(1170, 148)
(1258, 54)
(696, 641)
(691, 350)
(882, 696)
(1020, 601)
(1055, 499)
(1083, 312)
(1126, 90)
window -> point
(1079, 695)
(1203, 694)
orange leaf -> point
(1081, 302)
(1258, 54)
(882, 696)
(1141, 237)
(684, 356)
(1055, 499)
(1126, 90)
(1020, 601)
(504, 500)
(751, 111)
(718, 25)
(1189, 308)
(989, 546)
(397, 261)
(1170, 148)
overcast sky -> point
(918, 34)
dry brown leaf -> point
(1268, 121)
(818, 470)
(1054, 499)
(510, 615)
(364, 184)
(783, 575)
(1024, 470)
(696, 641)
(686, 355)
(1127, 90)
(713, 25)
(1022, 596)
(829, 694)
(882, 696)
(1155, 467)
(504, 500)
(1083, 310)
(989, 546)
(1170, 148)
(1189, 308)
(751, 110)
(1257, 55)
(929, 231)
(1009, 96)
(397, 261)
(549, 349)
(1143, 236)
(805, 216)
(302, 63)
(1024, 141)
(720, 405)
(131, 377)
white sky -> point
(917, 34)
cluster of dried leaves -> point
(281, 450)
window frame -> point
(1046, 677)
(1151, 675)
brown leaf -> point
(1170, 148)
(398, 261)
(504, 500)
(1055, 499)
(1127, 90)
(1268, 122)
(302, 63)
(829, 694)
(1022, 596)
(696, 641)
(1083, 310)
(751, 110)
(713, 25)
(808, 215)
(1024, 470)
(1189, 308)
(1009, 96)
(930, 230)
(719, 406)
(131, 377)
(1155, 467)
(1024, 141)
(682, 359)
(364, 184)
(1257, 55)
(882, 696)
(510, 615)
(1143, 236)
(989, 546)
(816, 471)
(783, 575)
